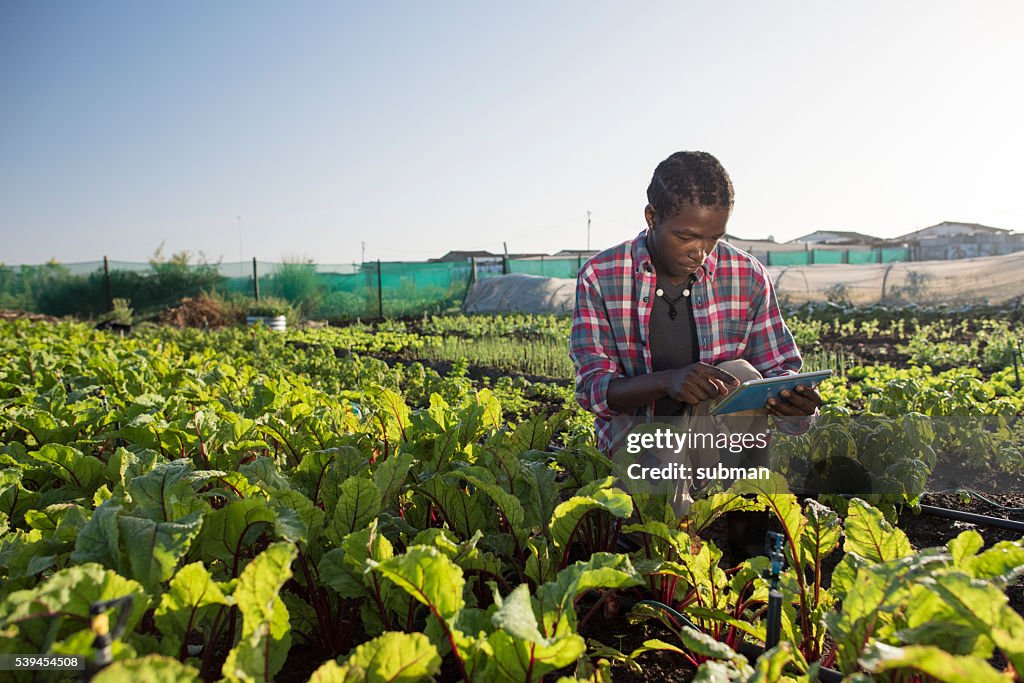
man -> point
(655, 315)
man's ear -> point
(649, 215)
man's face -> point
(680, 243)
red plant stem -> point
(451, 643)
(230, 486)
(353, 622)
(202, 444)
(380, 605)
(323, 612)
(817, 580)
(616, 531)
(339, 618)
(798, 570)
(586, 618)
(232, 622)
(730, 637)
(183, 650)
(210, 645)
(568, 541)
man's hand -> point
(800, 402)
(698, 382)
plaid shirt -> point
(734, 309)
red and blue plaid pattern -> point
(734, 308)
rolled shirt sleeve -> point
(592, 348)
(774, 351)
(770, 345)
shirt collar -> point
(642, 259)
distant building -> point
(456, 256)
(585, 254)
(485, 261)
(836, 237)
(953, 240)
(759, 248)
(480, 257)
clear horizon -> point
(255, 129)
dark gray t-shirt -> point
(673, 342)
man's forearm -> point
(626, 394)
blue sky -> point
(301, 130)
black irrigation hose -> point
(975, 494)
(748, 650)
(826, 675)
(946, 513)
(973, 518)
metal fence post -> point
(106, 284)
(255, 280)
(380, 293)
(885, 279)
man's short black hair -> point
(696, 178)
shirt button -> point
(646, 299)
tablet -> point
(756, 392)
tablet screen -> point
(755, 393)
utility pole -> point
(588, 231)
(241, 253)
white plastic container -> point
(278, 323)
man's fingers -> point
(701, 388)
(795, 403)
(810, 393)
(686, 395)
(683, 391)
(801, 404)
(722, 375)
(783, 409)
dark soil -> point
(927, 530)
(873, 351)
(625, 637)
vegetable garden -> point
(421, 499)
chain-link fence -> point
(331, 291)
(398, 289)
(832, 255)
